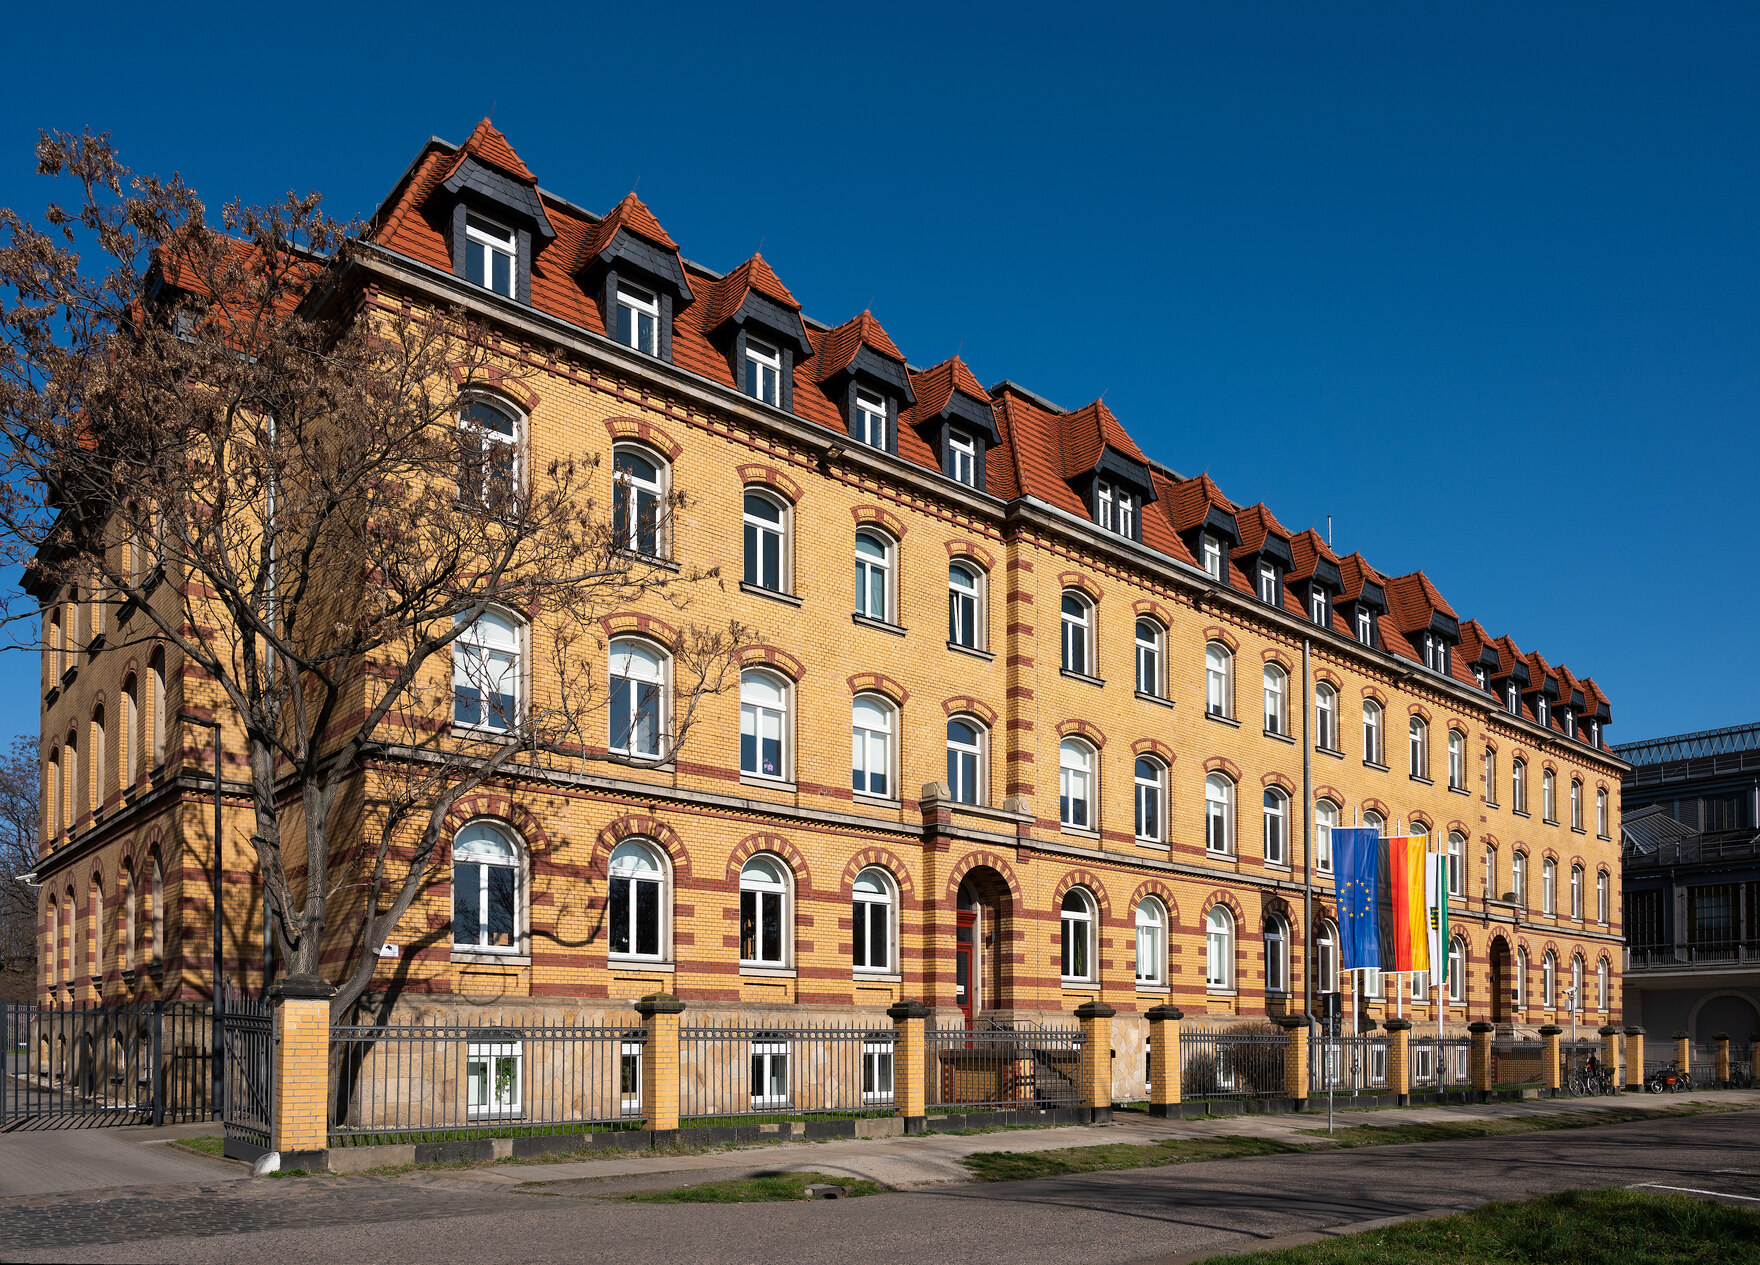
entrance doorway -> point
(1501, 981)
(978, 944)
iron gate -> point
(248, 1063)
(91, 1066)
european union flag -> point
(1356, 861)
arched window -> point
(1576, 804)
(1219, 948)
(1327, 954)
(763, 725)
(1149, 680)
(1576, 997)
(1078, 936)
(1490, 876)
(1151, 787)
(1325, 717)
(965, 760)
(1372, 741)
(1373, 820)
(1601, 983)
(1325, 818)
(52, 795)
(766, 552)
(638, 501)
(1457, 970)
(1457, 863)
(764, 914)
(1601, 897)
(1276, 826)
(129, 737)
(1601, 812)
(486, 673)
(1577, 892)
(1078, 624)
(873, 723)
(874, 576)
(95, 903)
(1490, 776)
(1218, 814)
(95, 757)
(1457, 760)
(1276, 700)
(1276, 955)
(1519, 786)
(1418, 747)
(1075, 784)
(1218, 680)
(1518, 874)
(637, 908)
(1521, 994)
(488, 447)
(1151, 942)
(874, 903)
(965, 594)
(637, 710)
(156, 894)
(1549, 795)
(76, 787)
(128, 931)
(156, 707)
(1549, 887)
(52, 641)
(485, 889)
(53, 956)
(1549, 982)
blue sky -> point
(1479, 281)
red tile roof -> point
(1357, 572)
(731, 290)
(1412, 599)
(834, 350)
(1191, 500)
(1088, 430)
(934, 387)
(1256, 523)
(487, 145)
(633, 215)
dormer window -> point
(1543, 711)
(1435, 653)
(1570, 723)
(1595, 738)
(763, 371)
(1211, 550)
(1268, 583)
(1319, 606)
(868, 426)
(489, 254)
(1116, 510)
(638, 318)
(962, 458)
(1479, 676)
(1510, 698)
(1365, 626)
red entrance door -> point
(964, 982)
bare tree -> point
(262, 460)
(21, 782)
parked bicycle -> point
(1669, 1080)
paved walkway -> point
(51, 1161)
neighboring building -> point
(1099, 709)
(1691, 856)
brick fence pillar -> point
(1399, 1059)
(1164, 1061)
(1683, 1052)
(1722, 1060)
(301, 1127)
(1096, 1076)
(660, 1069)
(910, 1063)
(1295, 1059)
(1481, 1057)
(1610, 1054)
(1549, 1055)
(1635, 1059)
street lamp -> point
(216, 1053)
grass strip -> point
(775, 1188)
(1014, 1166)
(203, 1144)
(1396, 1133)
(1583, 1227)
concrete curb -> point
(1306, 1237)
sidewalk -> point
(55, 1161)
(906, 1163)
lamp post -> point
(216, 1052)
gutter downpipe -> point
(1313, 941)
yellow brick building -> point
(1029, 719)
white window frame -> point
(869, 419)
(1603, 983)
(1219, 838)
(1115, 510)
(965, 603)
(873, 742)
(1276, 836)
(1602, 894)
(491, 667)
(1521, 997)
(874, 575)
(962, 458)
(486, 1098)
(1077, 650)
(757, 530)
(1548, 981)
(1418, 746)
(482, 247)
(632, 664)
(1457, 863)
(877, 1072)
(1317, 605)
(1149, 658)
(1267, 583)
(1518, 785)
(1374, 724)
(622, 869)
(1326, 958)
(1150, 796)
(1601, 813)
(1365, 625)
(1576, 804)
(1276, 700)
(959, 752)
(1325, 717)
(864, 902)
(763, 372)
(1277, 955)
(1219, 948)
(629, 1072)
(1577, 893)
(638, 303)
(1218, 680)
(766, 877)
(479, 485)
(1151, 925)
(637, 499)
(514, 862)
(1518, 877)
(1076, 778)
(1076, 939)
(1457, 970)
(1549, 796)
(1457, 760)
(758, 711)
(1490, 776)
(767, 1055)
(1549, 887)
(1325, 820)
(1210, 556)
(1373, 820)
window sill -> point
(756, 590)
(650, 560)
(1421, 781)
(1214, 855)
(878, 625)
(1216, 990)
(1331, 751)
(657, 764)
(1578, 830)
(1284, 866)
(1230, 721)
(1604, 838)
(1379, 768)
(1160, 845)
(1081, 985)
(487, 957)
(1491, 803)
(768, 783)
(1155, 699)
(976, 653)
(766, 972)
(1280, 737)
(875, 801)
(1162, 990)
(1519, 812)
(1459, 790)
(876, 977)
(1081, 676)
(648, 965)
(1080, 833)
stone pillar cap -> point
(1634, 1031)
(1291, 1021)
(1720, 1036)
(1164, 1012)
(1608, 1031)
(1397, 1025)
(1479, 1025)
(1550, 1030)
(1094, 1010)
(899, 1011)
(659, 1004)
(1681, 1036)
(302, 988)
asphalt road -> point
(1102, 1217)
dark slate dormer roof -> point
(631, 232)
(1315, 562)
(753, 292)
(1541, 679)
(487, 166)
(1362, 582)
(1094, 443)
(1601, 706)
(1199, 505)
(1478, 650)
(1417, 607)
(1262, 534)
(861, 348)
(1511, 662)
(950, 392)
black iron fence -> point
(730, 1072)
(1002, 1068)
(247, 1032)
(1350, 1065)
(1231, 1062)
(84, 1066)
(1440, 1063)
(430, 1082)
